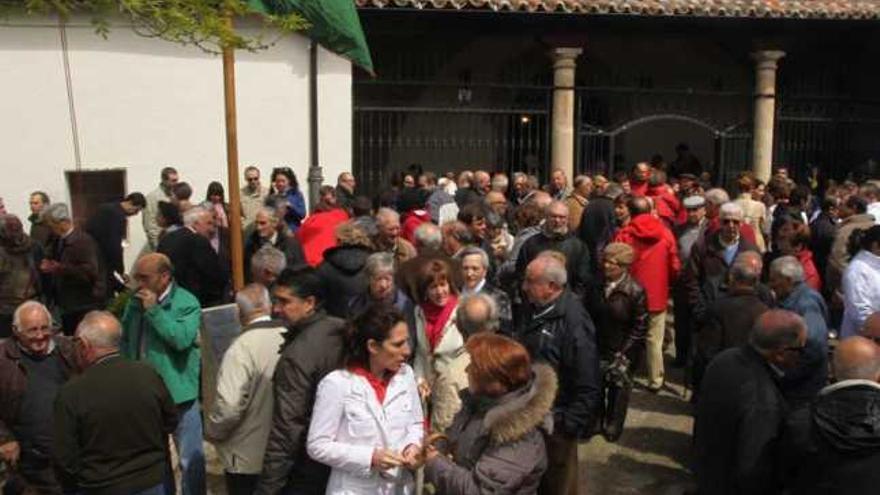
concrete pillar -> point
(562, 149)
(765, 111)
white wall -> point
(143, 104)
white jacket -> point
(240, 419)
(861, 292)
(348, 424)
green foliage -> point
(204, 23)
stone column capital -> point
(767, 59)
(565, 56)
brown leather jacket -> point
(622, 320)
(13, 381)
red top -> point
(436, 318)
(380, 385)
(811, 274)
(411, 221)
(318, 233)
(656, 264)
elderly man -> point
(269, 230)
(118, 445)
(729, 319)
(474, 264)
(555, 236)
(655, 269)
(558, 186)
(556, 328)
(313, 347)
(265, 266)
(160, 326)
(482, 182)
(710, 260)
(197, 267)
(345, 186)
(108, 227)
(33, 366)
(78, 285)
(241, 416)
(455, 237)
(253, 196)
(832, 447)
(741, 409)
(577, 200)
(638, 179)
(687, 235)
(164, 192)
(802, 383)
(388, 237)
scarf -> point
(379, 385)
(436, 318)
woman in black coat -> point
(342, 271)
(622, 323)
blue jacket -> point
(805, 381)
(296, 209)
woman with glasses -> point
(284, 184)
(367, 423)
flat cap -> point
(692, 202)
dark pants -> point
(5, 326)
(683, 325)
(561, 477)
(241, 484)
(33, 474)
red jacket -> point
(318, 233)
(411, 221)
(656, 264)
(666, 203)
(811, 274)
(638, 188)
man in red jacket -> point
(655, 267)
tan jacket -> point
(839, 257)
(240, 419)
(251, 202)
(755, 214)
(576, 205)
(441, 369)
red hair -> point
(495, 358)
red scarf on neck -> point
(380, 385)
(436, 318)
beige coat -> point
(755, 214)
(839, 257)
(240, 419)
(440, 369)
(576, 205)
(251, 202)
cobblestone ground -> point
(651, 457)
(653, 454)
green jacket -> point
(166, 337)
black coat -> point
(822, 231)
(577, 260)
(289, 245)
(79, 284)
(833, 446)
(563, 336)
(729, 321)
(597, 227)
(622, 320)
(739, 417)
(107, 228)
(197, 266)
(706, 272)
(312, 348)
(342, 273)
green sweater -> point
(166, 337)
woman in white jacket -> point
(367, 423)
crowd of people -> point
(461, 334)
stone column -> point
(562, 150)
(765, 111)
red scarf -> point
(436, 318)
(380, 385)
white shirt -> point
(861, 292)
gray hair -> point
(379, 263)
(56, 212)
(467, 324)
(581, 180)
(788, 267)
(429, 236)
(731, 209)
(500, 182)
(272, 213)
(268, 258)
(386, 212)
(555, 204)
(101, 329)
(251, 299)
(717, 196)
(775, 329)
(745, 271)
(193, 215)
(613, 190)
(474, 251)
(28, 306)
(554, 269)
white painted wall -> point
(142, 104)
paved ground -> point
(652, 455)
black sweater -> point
(111, 428)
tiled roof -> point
(797, 9)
